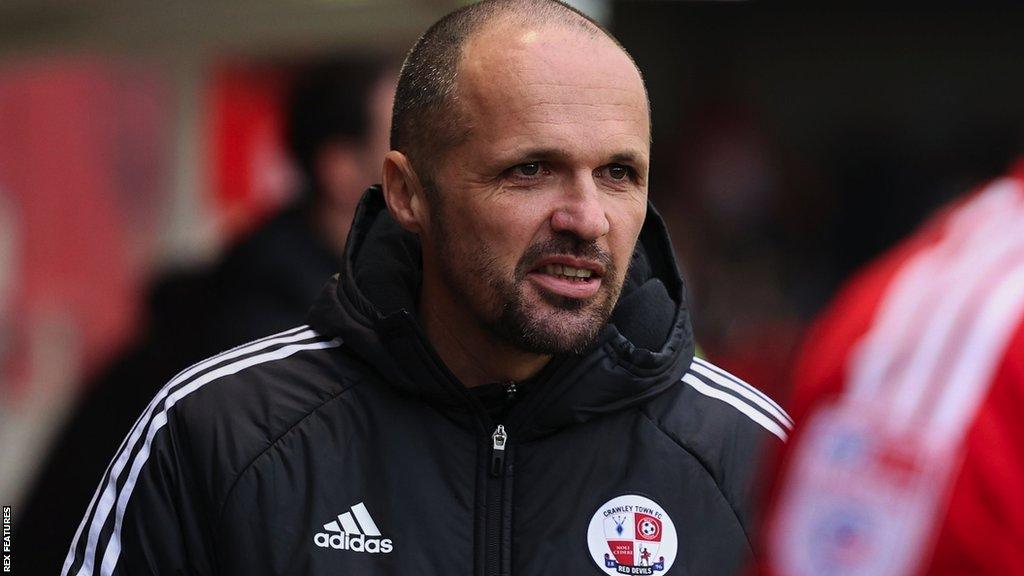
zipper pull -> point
(498, 441)
(510, 390)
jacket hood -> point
(643, 350)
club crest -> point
(631, 534)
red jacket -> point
(923, 352)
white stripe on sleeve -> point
(755, 396)
(751, 412)
(113, 551)
(106, 494)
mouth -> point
(567, 276)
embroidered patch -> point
(631, 534)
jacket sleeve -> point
(147, 516)
(730, 427)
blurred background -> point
(158, 160)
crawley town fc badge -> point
(631, 534)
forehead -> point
(565, 86)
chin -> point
(547, 329)
(555, 342)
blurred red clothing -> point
(922, 356)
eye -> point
(528, 173)
(529, 169)
(618, 172)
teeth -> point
(568, 271)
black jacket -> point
(264, 284)
(347, 447)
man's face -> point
(536, 213)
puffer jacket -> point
(347, 447)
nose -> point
(580, 210)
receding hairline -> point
(499, 31)
(591, 31)
(434, 118)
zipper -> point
(498, 441)
(497, 560)
(498, 479)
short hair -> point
(426, 119)
(330, 101)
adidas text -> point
(355, 543)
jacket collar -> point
(643, 350)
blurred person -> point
(910, 452)
(338, 119)
(501, 379)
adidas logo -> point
(354, 530)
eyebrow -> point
(623, 157)
(541, 153)
(629, 157)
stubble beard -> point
(553, 325)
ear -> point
(403, 192)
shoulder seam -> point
(707, 470)
(749, 391)
(224, 354)
(721, 386)
(275, 442)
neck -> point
(474, 354)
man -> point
(909, 460)
(492, 385)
